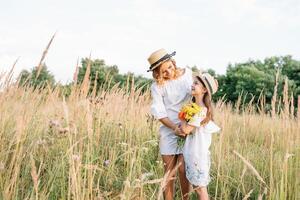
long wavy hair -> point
(157, 73)
(207, 103)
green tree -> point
(29, 78)
(99, 70)
(212, 72)
(255, 77)
(108, 75)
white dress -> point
(167, 101)
(196, 152)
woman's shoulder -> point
(155, 87)
(185, 71)
(183, 74)
(187, 74)
(188, 71)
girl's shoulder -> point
(202, 112)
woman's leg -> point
(169, 164)
(202, 193)
(184, 183)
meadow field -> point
(105, 146)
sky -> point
(205, 33)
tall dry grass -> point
(106, 147)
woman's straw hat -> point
(158, 57)
(210, 83)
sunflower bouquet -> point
(187, 113)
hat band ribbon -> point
(162, 59)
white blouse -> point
(168, 98)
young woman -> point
(171, 88)
(199, 129)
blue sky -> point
(209, 34)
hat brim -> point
(160, 61)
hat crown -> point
(210, 82)
(155, 56)
(158, 57)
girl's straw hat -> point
(158, 57)
(210, 83)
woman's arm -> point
(158, 110)
(186, 128)
(168, 123)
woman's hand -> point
(178, 131)
(176, 128)
(186, 129)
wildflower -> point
(63, 130)
(76, 157)
(106, 163)
(146, 175)
(54, 123)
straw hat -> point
(210, 83)
(158, 57)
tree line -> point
(251, 80)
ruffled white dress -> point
(167, 101)
(196, 150)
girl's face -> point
(167, 70)
(198, 88)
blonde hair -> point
(157, 74)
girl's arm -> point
(186, 128)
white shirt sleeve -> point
(189, 79)
(211, 127)
(157, 109)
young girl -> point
(199, 129)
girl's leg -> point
(184, 183)
(202, 193)
(169, 164)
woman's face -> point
(167, 70)
(198, 88)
